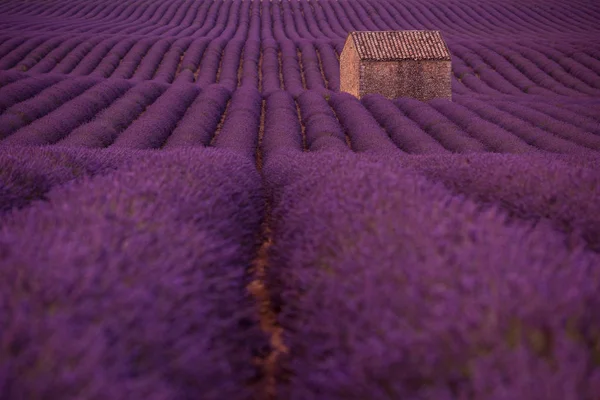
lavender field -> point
(191, 209)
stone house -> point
(396, 64)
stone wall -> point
(350, 69)
(423, 79)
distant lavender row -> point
(22, 113)
(392, 287)
(166, 60)
(510, 69)
(56, 124)
(107, 125)
(282, 131)
(297, 19)
(240, 129)
(305, 38)
(322, 128)
(199, 123)
(90, 112)
(140, 293)
(152, 129)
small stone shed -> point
(396, 64)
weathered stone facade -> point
(349, 68)
(396, 64)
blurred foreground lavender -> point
(108, 291)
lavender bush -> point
(150, 301)
(391, 287)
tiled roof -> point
(400, 45)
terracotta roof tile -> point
(400, 45)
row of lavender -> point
(392, 286)
(128, 280)
(229, 40)
(98, 113)
(296, 19)
(150, 298)
(231, 63)
(240, 59)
